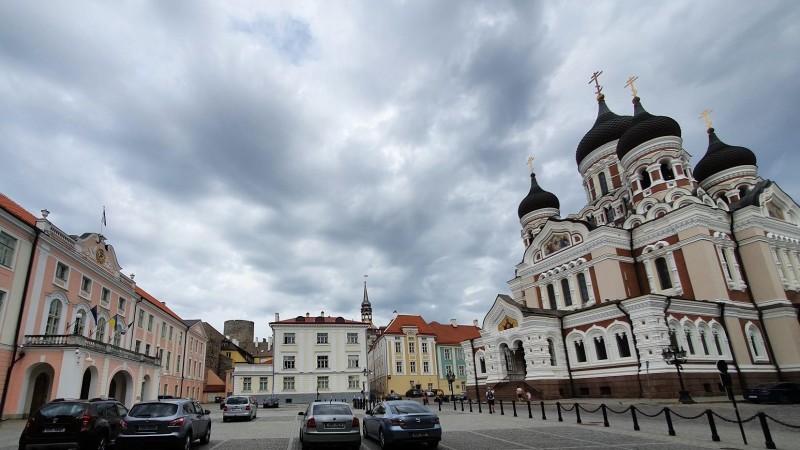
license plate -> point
(419, 434)
(335, 425)
(54, 430)
(148, 428)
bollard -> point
(544, 416)
(578, 412)
(712, 425)
(670, 430)
(558, 406)
(530, 414)
(765, 428)
(635, 420)
(514, 407)
(440, 404)
(462, 405)
(502, 412)
(455, 405)
(470, 405)
(605, 415)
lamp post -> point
(450, 378)
(364, 391)
(677, 357)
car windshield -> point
(330, 410)
(153, 410)
(236, 401)
(407, 408)
(62, 409)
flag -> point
(125, 330)
(112, 323)
(94, 313)
(104, 217)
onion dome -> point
(537, 198)
(644, 127)
(721, 156)
(607, 128)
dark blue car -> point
(401, 422)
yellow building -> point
(403, 357)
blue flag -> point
(94, 313)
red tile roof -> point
(17, 211)
(406, 320)
(449, 334)
(155, 302)
(319, 320)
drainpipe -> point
(739, 374)
(133, 335)
(635, 347)
(14, 358)
(183, 362)
(753, 301)
(569, 369)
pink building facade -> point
(72, 325)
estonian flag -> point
(94, 313)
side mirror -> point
(301, 413)
(207, 412)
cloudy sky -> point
(262, 157)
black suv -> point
(173, 422)
(414, 393)
(65, 423)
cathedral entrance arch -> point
(514, 361)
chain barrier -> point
(593, 411)
(732, 420)
(649, 415)
(688, 417)
(619, 412)
(568, 409)
(779, 422)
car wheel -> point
(364, 431)
(783, 399)
(434, 443)
(382, 440)
(356, 446)
(187, 442)
(101, 443)
(206, 437)
(305, 445)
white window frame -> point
(288, 383)
(352, 338)
(247, 384)
(322, 338)
(323, 362)
(353, 382)
(86, 286)
(288, 338)
(323, 383)
(289, 362)
(753, 333)
(63, 270)
(263, 384)
(352, 361)
(398, 366)
(9, 250)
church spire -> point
(366, 306)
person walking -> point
(528, 396)
(490, 399)
(519, 393)
(424, 397)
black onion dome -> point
(644, 127)
(721, 156)
(537, 198)
(607, 128)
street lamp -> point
(677, 357)
(450, 378)
(366, 373)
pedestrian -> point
(528, 395)
(490, 399)
(424, 397)
(519, 393)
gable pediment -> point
(555, 237)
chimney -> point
(308, 315)
(322, 313)
(277, 317)
(264, 340)
(475, 323)
(453, 323)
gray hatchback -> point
(329, 423)
(173, 422)
(239, 407)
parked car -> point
(462, 396)
(172, 422)
(402, 421)
(239, 407)
(272, 402)
(329, 423)
(64, 423)
(414, 393)
(774, 392)
(393, 396)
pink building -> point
(73, 326)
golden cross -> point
(705, 115)
(530, 163)
(594, 78)
(630, 84)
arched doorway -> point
(514, 361)
(144, 394)
(89, 383)
(41, 391)
(39, 386)
(119, 387)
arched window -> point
(53, 317)
(117, 337)
(100, 334)
(609, 211)
(483, 365)
(663, 273)
(703, 341)
(690, 340)
(742, 191)
(623, 346)
(600, 348)
(79, 323)
(601, 177)
(566, 293)
(583, 288)
(717, 343)
(551, 293)
(666, 172)
(551, 348)
(580, 351)
(644, 177)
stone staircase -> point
(507, 390)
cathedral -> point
(665, 271)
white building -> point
(253, 380)
(319, 358)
